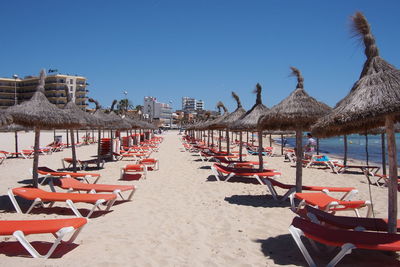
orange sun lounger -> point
(327, 203)
(221, 172)
(137, 170)
(346, 222)
(52, 173)
(39, 196)
(349, 192)
(57, 227)
(346, 239)
(72, 184)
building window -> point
(71, 81)
(71, 88)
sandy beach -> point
(180, 215)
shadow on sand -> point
(283, 251)
(15, 249)
(263, 201)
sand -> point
(180, 215)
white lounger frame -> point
(20, 236)
(71, 205)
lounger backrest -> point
(371, 224)
(337, 237)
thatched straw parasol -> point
(15, 128)
(39, 113)
(231, 118)
(296, 112)
(214, 124)
(5, 118)
(373, 101)
(84, 119)
(248, 122)
(106, 122)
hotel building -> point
(16, 90)
(155, 110)
(191, 104)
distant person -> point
(284, 142)
(311, 145)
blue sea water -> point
(356, 147)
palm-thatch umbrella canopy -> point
(249, 121)
(15, 128)
(231, 118)
(39, 113)
(296, 112)
(5, 118)
(83, 117)
(214, 124)
(373, 101)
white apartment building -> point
(155, 110)
(191, 104)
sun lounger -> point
(226, 173)
(328, 203)
(349, 192)
(39, 196)
(341, 168)
(47, 172)
(346, 239)
(151, 163)
(345, 222)
(27, 153)
(10, 154)
(72, 185)
(321, 160)
(379, 179)
(81, 164)
(134, 172)
(57, 227)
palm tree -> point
(124, 105)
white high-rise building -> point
(191, 104)
(155, 110)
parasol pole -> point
(260, 151)
(36, 158)
(299, 160)
(383, 154)
(73, 151)
(393, 178)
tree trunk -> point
(393, 184)
(35, 182)
(299, 160)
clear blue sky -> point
(201, 49)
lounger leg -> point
(216, 174)
(230, 176)
(36, 201)
(271, 189)
(74, 209)
(97, 205)
(296, 234)
(346, 249)
(14, 201)
(19, 235)
(258, 179)
(288, 193)
(131, 194)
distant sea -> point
(355, 147)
